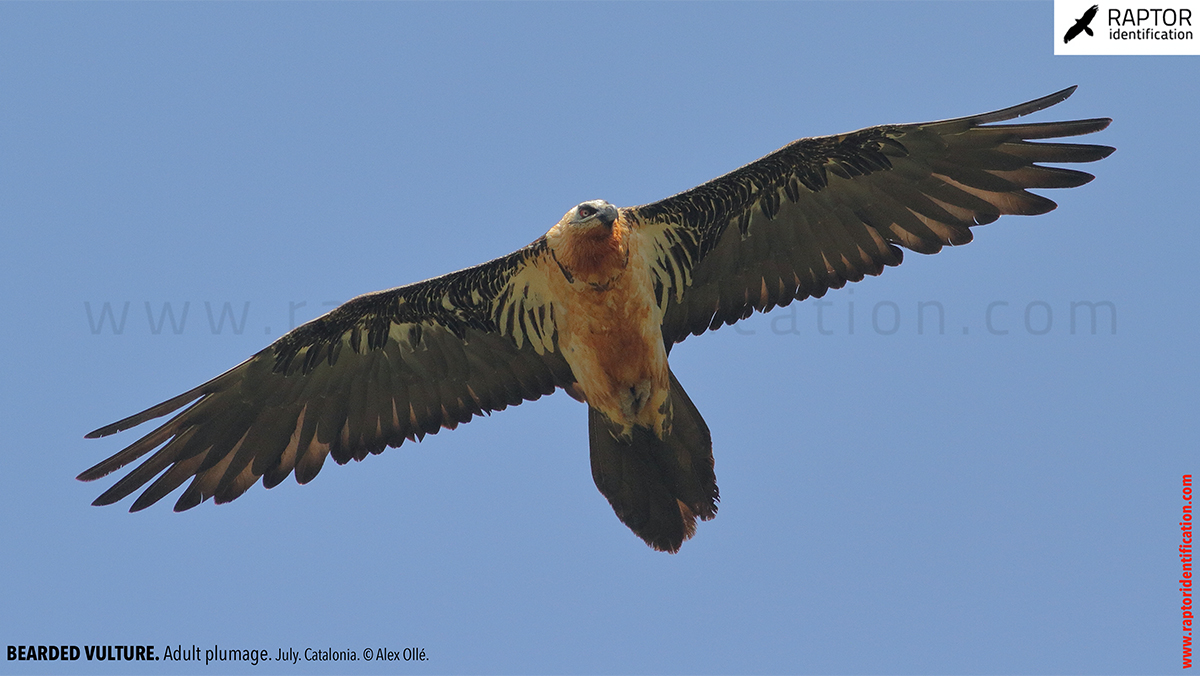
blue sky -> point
(894, 500)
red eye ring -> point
(586, 211)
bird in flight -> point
(1082, 24)
(594, 307)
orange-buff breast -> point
(610, 330)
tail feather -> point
(657, 487)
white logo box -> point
(1128, 27)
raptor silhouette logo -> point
(1081, 25)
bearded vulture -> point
(594, 307)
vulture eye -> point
(586, 211)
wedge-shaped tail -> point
(657, 487)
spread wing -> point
(380, 369)
(824, 211)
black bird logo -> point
(1081, 26)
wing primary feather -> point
(132, 452)
(1056, 152)
(173, 478)
(1042, 130)
(168, 406)
(129, 483)
(1018, 110)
